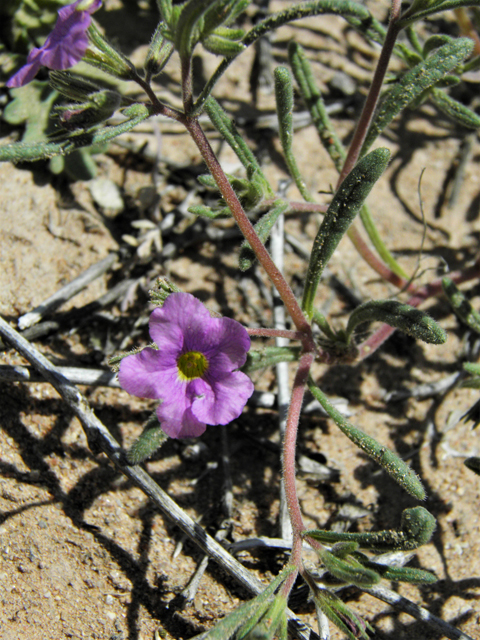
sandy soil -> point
(84, 553)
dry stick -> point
(75, 375)
(98, 436)
(417, 612)
(68, 291)
(277, 247)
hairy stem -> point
(248, 231)
(373, 94)
(289, 445)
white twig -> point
(99, 437)
(417, 612)
(68, 291)
(277, 249)
(75, 375)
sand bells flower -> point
(66, 44)
(194, 372)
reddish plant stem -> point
(275, 333)
(248, 231)
(373, 94)
(289, 447)
(420, 294)
(187, 89)
(374, 261)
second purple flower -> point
(64, 47)
(194, 372)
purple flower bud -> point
(64, 47)
(194, 372)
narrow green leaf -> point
(461, 306)
(455, 110)
(348, 570)
(249, 611)
(29, 152)
(226, 127)
(152, 438)
(269, 357)
(415, 82)
(430, 8)
(314, 102)
(220, 46)
(344, 207)
(408, 319)
(417, 528)
(312, 97)
(403, 574)
(393, 465)
(284, 104)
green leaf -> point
(250, 611)
(220, 46)
(344, 207)
(415, 82)
(66, 143)
(338, 612)
(269, 357)
(393, 465)
(461, 305)
(152, 438)
(227, 129)
(454, 109)
(348, 570)
(417, 528)
(403, 574)
(408, 319)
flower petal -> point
(231, 395)
(181, 315)
(228, 344)
(28, 72)
(147, 374)
(175, 412)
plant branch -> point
(248, 231)
(373, 94)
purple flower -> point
(194, 372)
(64, 47)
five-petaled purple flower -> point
(65, 46)
(194, 372)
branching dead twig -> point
(99, 437)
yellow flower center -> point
(191, 365)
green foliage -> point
(390, 462)
(414, 83)
(417, 527)
(344, 207)
(461, 305)
(152, 438)
(411, 321)
(243, 622)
